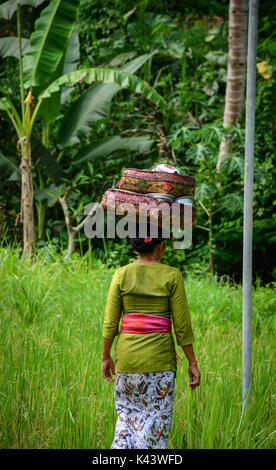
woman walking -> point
(151, 296)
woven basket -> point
(131, 202)
(146, 181)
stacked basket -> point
(151, 188)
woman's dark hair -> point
(142, 246)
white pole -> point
(248, 202)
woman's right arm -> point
(193, 371)
(183, 328)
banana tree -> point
(41, 60)
(47, 94)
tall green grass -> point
(52, 394)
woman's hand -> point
(107, 366)
(194, 375)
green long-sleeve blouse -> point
(157, 289)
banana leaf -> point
(105, 147)
(124, 79)
(51, 107)
(7, 9)
(71, 63)
(48, 42)
(43, 159)
(11, 166)
(7, 105)
(9, 47)
(92, 105)
(72, 56)
(47, 194)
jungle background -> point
(187, 45)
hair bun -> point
(148, 243)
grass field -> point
(52, 394)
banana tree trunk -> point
(236, 69)
(27, 197)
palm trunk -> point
(236, 69)
(27, 195)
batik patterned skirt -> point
(144, 405)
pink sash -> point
(145, 323)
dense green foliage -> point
(52, 391)
(187, 66)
